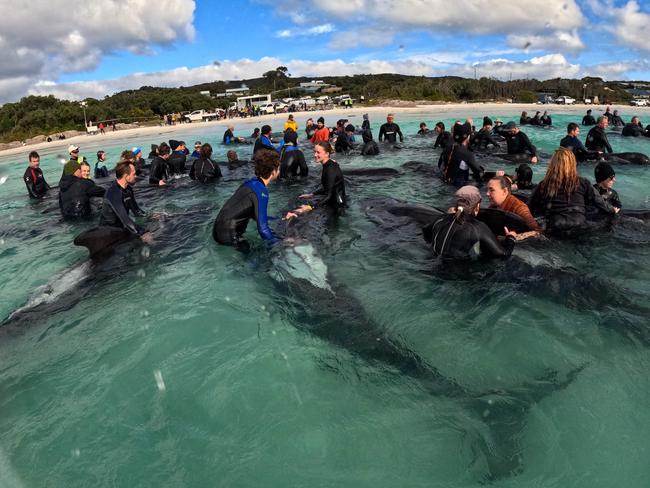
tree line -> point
(35, 115)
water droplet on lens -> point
(62, 159)
(145, 313)
(285, 357)
(486, 413)
(263, 307)
(227, 299)
(3, 179)
(142, 273)
(146, 252)
(75, 453)
(160, 383)
(11, 217)
(2, 242)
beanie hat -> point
(173, 144)
(603, 171)
(321, 120)
(487, 121)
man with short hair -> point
(75, 192)
(518, 142)
(633, 129)
(73, 163)
(116, 205)
(390, 130)
(597, 138)
(572, 142)
(37, 187)
(197, 149)
(444, 137)
(264, 140)
(177, 159)
(588, 119)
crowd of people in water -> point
(558, 206)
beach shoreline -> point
(475, 110)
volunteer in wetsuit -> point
(250, 201)
(370, 147)
(444, 137)
(292, 159)
(264, 140)
(481, 139)
(75, 192)
(597, 138)
(197, 149)
(331, 193)
(562, 197)
(204, 168)
(424, 130)
(499, 193)
(119, 201)
(518, 142)
(571, 141)
(460, 236)
(605, 178)
(457, 160)
(633, 129)
(158, 174)
(37, 187)
(588, 119)
(229, 136)
(101, 171)
(389, 131)
(310, 128)
(344, 140)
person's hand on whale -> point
(306, 195)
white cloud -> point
(365, 36)
(630, 26)
(543, 67)
(44, 38)
(617, 70)
(312, 31)
(556, 41)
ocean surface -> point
(185, 364)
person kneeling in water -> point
(499, 193)
(562, 197)
(250, 201)
(292, 159)
(605, 178)
(75, 192)
(331, 194)
(205, 169)
(461, 235)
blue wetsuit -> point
(263, 142)
(250, 201)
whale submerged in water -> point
(324, 308)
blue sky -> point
(174, 42)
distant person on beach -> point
(389, 131)
(37, 187)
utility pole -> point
(83, 106)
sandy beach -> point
(475, 110)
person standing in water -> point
(331, 193)
(390, 130)
(37, 187)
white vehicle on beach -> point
(564, 100)
(200, 116)
(639, 103)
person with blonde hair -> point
(562, 197)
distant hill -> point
(34, 115)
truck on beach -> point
(201, 116)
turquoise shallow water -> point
(186, 365)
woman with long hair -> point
(331, 193)
(562, 197)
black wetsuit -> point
(250, 201)
(75, 194)
(228, 137)
(578, 148)
(176, 163)
(389, 131)
(616, 121)
(610, 196)
(292, 162)
(535, 120)
(588, 120)
(632, 130)
(370, 148)
(565, 213)
(469, 239)
(158, 171)
(443, 140)
(597, 140)
(100, 171)
(456, 163)
(309, 131)
(524, 120)
(365, 125)
(546, 120)
(481, 140)
(117, 203)
(205, 170)
(343, 144)
(331, 194)
(37, 187)
(519, 143)
(424, 132)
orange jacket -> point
(514, 205)
(321, 135)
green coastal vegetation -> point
(36, 115)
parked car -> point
(639, 102)
(564, 100)
(587, 101)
